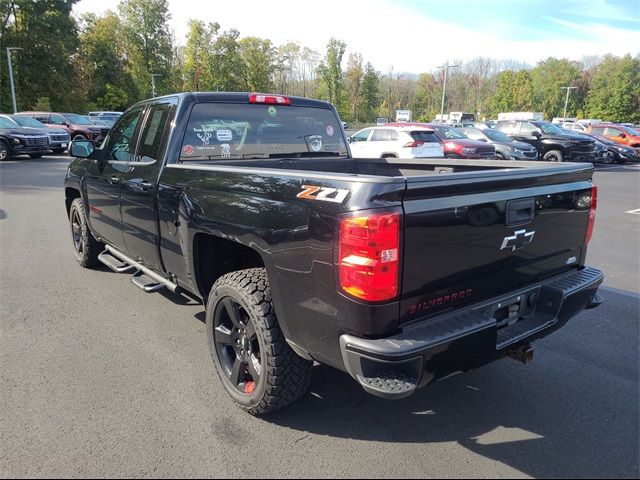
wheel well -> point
(215, 256)
(70, 195)
(389, 155)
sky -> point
(418, 35)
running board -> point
(144, 278)
(113, 263)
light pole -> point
(13, 88)
(446, 67)
(566, 101)
(153, 83)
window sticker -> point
(272, 111)
(330, 130)
(205, 137)
(224, 135)
(188, 150)
(226, 150)
(315, 143)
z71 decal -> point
(323, 194)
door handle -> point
(114, 180)
(145, 185)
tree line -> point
(106, 63)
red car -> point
(456, 144)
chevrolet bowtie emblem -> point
(518, 240)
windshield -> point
(496, 136)
(77, 119)
(550, 129)
(7, 123)
(450, 133)
(218, 130)
(27, 121)
(630, 131)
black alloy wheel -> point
(237, 346)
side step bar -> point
(144, 278)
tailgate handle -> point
(520, 212)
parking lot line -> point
(634, 212)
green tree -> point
(226, 67)
(197, 56)
(548, 78)
(504, 97)
(369, 94)
(102, 64)
(615, 90)
(258, 64)
(522, 91)
(354, 76)
(48, 36)
(145, 27)
(330, 71)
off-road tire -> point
(90, 248)
(285, 376)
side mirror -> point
(82, 148)
(536, 134)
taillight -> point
(369, 256)
(414, 144)
(270, 99)
(592, 214)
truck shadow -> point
(566, 415)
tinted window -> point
(473, 133)
(509, 128)
(597, 130)
(218, 130)
(55, 119)
(361, 136)
(612, 132)
(153, 138)
(384, 135)
(7, 123)
(528, 128)
(423, 136)
(449, 133)
(121, 145)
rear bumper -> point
(396, 366)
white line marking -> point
(634, 212)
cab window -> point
(361, 136)
(155, 132)
(121, 144)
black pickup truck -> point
(399, 272)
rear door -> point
(431, 146)
(139, 183)
(471, 240)
(384, 141)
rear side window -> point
(528, 128)
(222, 131)
(597, 130)
(612, 132)
(509, 128)
(427, 137)
(384, 135)
(153, 138)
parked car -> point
(575, 126)
(553, 143)
(382, 121)
(345, 125)
(59, 139)
(616, 152)
(618, 133)
(16, 140)
(506, 147)
(457, 145)
(99, 123)
(107, 117)
(396, 142)
(78, 127)
(398, 274)
(486, 124)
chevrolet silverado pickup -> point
(399, 272)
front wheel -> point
(553, 156)
(5, 153)
(79, 137)
(609, 157)
(86, 247)
(258, 369)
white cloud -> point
(389, 35)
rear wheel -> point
(500, 156)
(5, 153)
(86, 247)
(553, 156)
(258, 369)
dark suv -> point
(78, 127)
(553, 144)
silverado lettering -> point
(443, 300)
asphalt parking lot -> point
(98, 378)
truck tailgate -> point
(475, 237)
